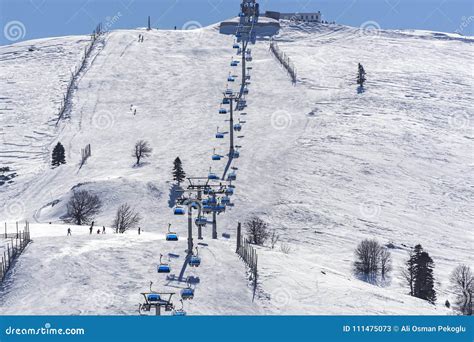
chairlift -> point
(219, 135)
(237, 127)
(207, 191)
(229, 191)
(215, 156)
(234, 63)
(206, 209)
(195, 260)
(222, 111)
(153, 298)
(218, 208)
(187, 293)
(179, 210)
(225, 200)
(232, 176)
(228, 92)
(180, 312)
(225, 101)
(246, 91)
(163, 267)
(171, 236)
(212, 176)
(235, 46)
(230, 79)
(201, 221)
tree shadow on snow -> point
(175, 193)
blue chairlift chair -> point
(179, 210)
(171, 236)
(195, 260)
(163, 267)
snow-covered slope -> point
(325, 165)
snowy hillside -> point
(323, 164)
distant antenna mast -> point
(149, 25)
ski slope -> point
(326, 166)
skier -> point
(103, 229)
(69, 233)
(139, 230)
(135, 111)
(98, 231)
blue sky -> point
(46, 18)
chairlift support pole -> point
(190, 230)
(214, 222)
(199, 197)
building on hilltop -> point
(313, 17)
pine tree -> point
(419, 275)
(178, 174)
(58, 156)
(361, 76)
(424, 280)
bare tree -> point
(462, 281)
(257, 230)
(385, 262)
(142, 150)
(274, 237)
(125, 218)
(82, 207)
(372, 259)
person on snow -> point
(139, 230)
(98, 231)
(103, 229)
(91, 227)
(69, 233)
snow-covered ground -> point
(324, 165)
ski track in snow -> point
(324, 165)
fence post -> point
(238, 236)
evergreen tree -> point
(58, 156)
(361, 76)
(424, 280)
(178, 173)
(419, 275)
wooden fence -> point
(77, 70)
(284, 60)
(13, 245)
(247, 253)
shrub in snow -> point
(257, 230)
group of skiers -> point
(140, 38)
(99, 231)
